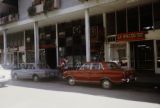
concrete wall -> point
(69, 3)
(23, 7)
(153, 34)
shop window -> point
(133, 20)
(29, 39)
(122, 57)
(47, 37)
(158, 53)
(146, 21)
(121, 21)
(96, 20)
(111, 28)
(29, 56)
(157, 15)
(15, 40)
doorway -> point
(142, 57)
(51, 58)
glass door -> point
(142, 56)
(157, 54)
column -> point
(4, 47)
(36, 44)
(105, 34)
(128, 55)
(108, 52)
(155, 57)
(57, 45)
(87, 36)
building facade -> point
(46, 31)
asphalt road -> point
(57, 94)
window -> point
(157, 15)
(158, 53)
(112, 65)
(146, 17)
(133, 20)
(96, 66)
(111, 23)
(121, 21)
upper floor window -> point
(146, 20)
(121, 21)
(133, 20)
(157, 14)
(111, 28)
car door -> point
(82, 74)
(21, 73)
(114, 72)
(96, 72)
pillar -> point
(4, 47)
(128, 55)
(87, 36)
(36, 44)
(57, 45)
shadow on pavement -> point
(138, 92)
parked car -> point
(28, 71)
(104, 73)
(5, 75)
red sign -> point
(133, 36)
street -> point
(57, 94)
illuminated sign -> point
(133, 36)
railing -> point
(8, 19)
(40, 6)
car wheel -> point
(71, 81)
(15, 77)
(35, 78)
(106, 84)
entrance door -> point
(51, 57)
(142, 53)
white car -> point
(5, 75)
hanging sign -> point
(133, 36)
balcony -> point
(43, 6)
(8, 19)
(8, 12)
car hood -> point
(6, 73)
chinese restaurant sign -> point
(133, 36)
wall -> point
(153, 34)
(23, 7)
(69, 3)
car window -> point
(96, 66)
(85, 67)
(112, 65)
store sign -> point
(134, 36)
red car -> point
(104, 73)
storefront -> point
(133, 37)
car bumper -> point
(4, 81)
(128, 80)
